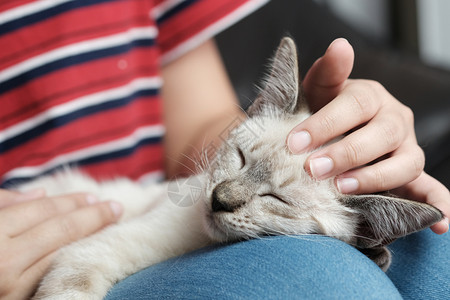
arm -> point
(199, 103)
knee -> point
(313, 267)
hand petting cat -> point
(33, 227)
(380, 151)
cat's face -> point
(257, 187)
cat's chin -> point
(213, 231)
(216, 232)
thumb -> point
(327, 75)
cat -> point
(253, 187)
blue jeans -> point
(310, 267)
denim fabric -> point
(310, 267)
(421, 266)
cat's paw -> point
(70, 285)
(73, 277)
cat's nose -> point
(218, 205)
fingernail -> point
(116, 208)
(347, 185)
(299, 141)
(336, 41)
(91, 199)
(320, 167)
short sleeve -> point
(183, 25)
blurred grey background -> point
(404, 44)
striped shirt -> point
(80, 81)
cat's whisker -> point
(242, 109)
(198, 167)
(183, 164)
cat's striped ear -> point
(384, 218)
(281, 92)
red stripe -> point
(77, 81)
(158, 2)
(74, 26)
(83, 133)
(146, 159)
(9, 4)
(176, 30)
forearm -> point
(199, 105)
(200, 151)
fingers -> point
(325, 78)
(381, 127)
(363, 146)
(405, 166)
(34, 212)
(63, 229)
(11, 197)
(356, 105)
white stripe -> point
(28, 9)
(212, 30)
(152, 177)
(123, 143)
(162, 8)
(78, 48)
(82, 102)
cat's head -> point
(256, 187)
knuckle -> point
(327, 125)
(375, 86)
(362, 103)
(418, 161)
(408, 115)
(379, 180)
(352, 152)
(391, 135)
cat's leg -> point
(88, 268)
(136, 199)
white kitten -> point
(253, 187)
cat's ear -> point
(384, 218)
(281, 92)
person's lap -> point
(311, 267)
(271, 267)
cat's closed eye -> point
(274, 196)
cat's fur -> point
(253, 187)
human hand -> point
(33, 227)
(379, 152)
